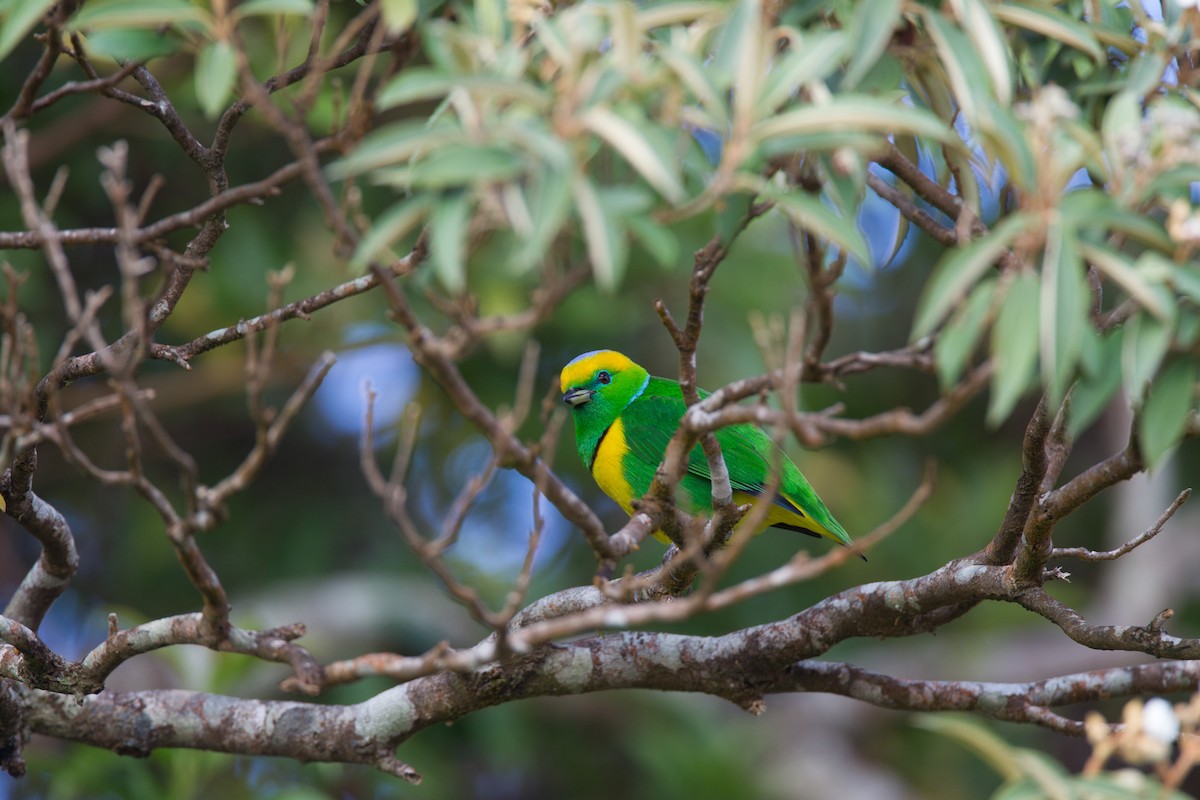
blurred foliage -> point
(625, 135)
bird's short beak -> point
(577, 397)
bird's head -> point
(601, 383)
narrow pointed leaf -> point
(810, 213)
(1051, 23)
(871, 29)
(820, 55)
(135, 14)
(216, 74)
(961, 336)
(1146, 341)
(599, 233)
(1165, 414)
(1014, 346)
(1064, 310)
(1100, 381)
(960, 269)
(389, 227)
(448, 233)
(631, 143)
(1119, 269)
(20, 20)
(286, 7)
(856, 113)
(979, 24)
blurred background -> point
(308, 542)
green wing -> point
(749, 454)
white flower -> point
(1159, 720)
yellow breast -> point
(606, 466)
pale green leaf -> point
(1064, 310)
(448, 231)
(1096, 210)
(135, 14)
(959, 339)
(389, 227)
(960, 60)
(695, 77)
(659, 241)
(960, 269)
(679, 13)
(815, 57)
(1052, 23)
(1119, 269)
(398, 15)
(636, 148)
(604, 244)
(1004, 137)
(811, 214)
(1165, 414)
(1101, 378)
(870, 30)
(262, 7)
(419, 83)
(216, 75)
(1014, 346)
(979, 24)
(458, 165)
(1147, 339)
(395, 144)
(549, 199)
(19, 21)
(1186, 279)
(125, 44)
(847, 113)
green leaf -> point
(549, 198)
(19, 21)
(1014, 346)
(977, 22)
(960, 60)
(1004, 137)
(135, 14)
(962, 333)
(659, 170)
(818, 55)
(1186, 279)
(1101, 377)
(605, 245)
(695, 77)
(1165, 414)
(847, 113)
(1053, 24)
(811, 214)
(870, 31)
(960, 269)
(1120, 270)
(417, 84)
(216, 74)
(1097, 211)
(395, 144)
(125, 45)
(457, 165)
(448, 231)
(389, 227)
(1064, 310)
(287, 7)
(398, 15)
(1147, 339)
(660, 241)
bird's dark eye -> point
(603, 377)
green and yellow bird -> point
(624, 418)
